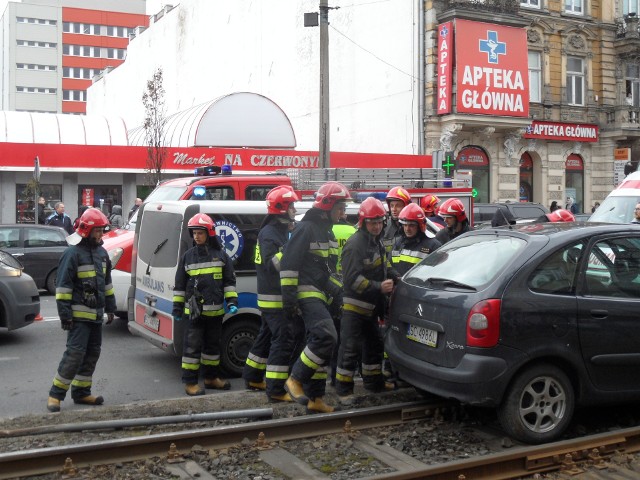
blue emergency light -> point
(206, 171)
(226, 170)
(199, 191)
(360, 196)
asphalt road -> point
(130, 369)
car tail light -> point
(483, 324)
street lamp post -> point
(312, 20)
(36, 177)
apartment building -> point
(51, 49)
(582, 84)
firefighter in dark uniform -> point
(429, 204)
(416, 243)
(83, 294)
(272, 350)
(397, 199)
(205, 279)
(307, 283)
(452, 210)
(368, 279)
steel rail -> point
(52, 459)
(568, 456)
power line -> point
(373, 54)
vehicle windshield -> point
(468, 263)
(160, 193)
(615, 210)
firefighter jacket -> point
(309, 260)
(271, 240)
(206, 271)
(409, 251)
(84, 291)
(446, 234)
(365, 264)
(391, 233)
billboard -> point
(492, 69)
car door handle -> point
(17, 254)
(599, 313)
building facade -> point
(51, 49)
(583, 100)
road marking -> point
(8, 359)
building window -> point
(25, 197)
(74, 95)
(575, 81)
(30, 43)
(530, 3)
(39, 21)
(535, 77)
(33, 66)
(629, 6)
(633, 86)
(573, 7)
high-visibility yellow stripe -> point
(64, 296)
(213, 363)
(178, 298)
(308, 362)
(190, 366)
(319, 295)
(277, 375)
(409, 259)
(319, 376)
(204, 271)
(266, 304)
(87, 315)
(86, 274)
(357, 309)
(80, 383)
(256, 365)
(59, 384)
(293, 282)
(109, 292)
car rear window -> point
(158, 241)
(473, 261)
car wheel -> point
(238, 335)
(51, 282)
(538, 405)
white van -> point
(619, 205)
(161, 239)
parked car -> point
(19, 299)
(533, 321)
(483, 212)
(38, 247)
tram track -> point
(269, 440)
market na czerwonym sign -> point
(572, 132)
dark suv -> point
(532, 320)
(483, 212)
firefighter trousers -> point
(201, 346)
(311, 366)
(75, 371)
(359, 336)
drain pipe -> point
(138, 422)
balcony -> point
(496, 6)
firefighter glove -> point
(66, 323)
(90, 298)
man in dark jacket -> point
(205, 279)
(83, 294)
(309, 259)
(416, 243)
(42, 217)
(452, 210)
(60, 219)
(368, 278)
(273, 348)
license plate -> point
(422, 335)
(152, 322)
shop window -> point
(103, 197)
(575, 181)
(476, 160)
(25, 198)
(526, 178)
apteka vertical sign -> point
(445, 67)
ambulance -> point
(161, 238)
(619, 205)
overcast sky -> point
(153, 6)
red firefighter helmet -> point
(202, 221)
(429, 204)
(329, 194)
(280, 198)
(412, 213)
(371, 208)
(90, 219)
(453, 207)
(561, 215)
(399, 193)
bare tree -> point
(154, 123)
